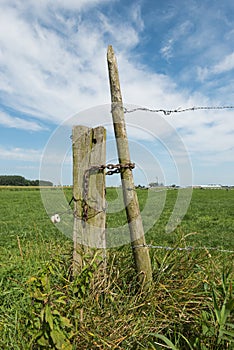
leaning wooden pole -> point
(140, 250)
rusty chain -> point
(112, 169)
(118, 168)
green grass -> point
(189, 306)
(210, 216)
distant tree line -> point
(17, 180)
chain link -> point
(118, 167)
(112, 169)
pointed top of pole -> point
(116, 96)
(111, 54)
(110, 49)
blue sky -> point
(170, 54)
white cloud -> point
(41, 8)
(207, 135)
(125, 36)
(18, 123)
(225, 65)
(136, 16)
(57, 74)
(179, 32)
(202, 73)
(167, 50)
(53, 77)
(20, 154)
(44, 76)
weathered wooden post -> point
(89, 153)
(140, 250)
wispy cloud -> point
(59, 66)
(179, 32)
(46, 79)
(20, 154)
(226, 64)
(136, 16)
(125, 35)
(208, 135)
(19, 123)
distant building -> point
(211, 186)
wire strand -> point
(188, 248)
(178, 110)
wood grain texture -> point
(89, 149)
(141, 254)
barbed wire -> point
(188, 248)
(178, 110)
(46, 219)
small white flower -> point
(55, 218)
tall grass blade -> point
(166, 340)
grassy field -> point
(190, 304)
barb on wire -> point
(188, 248)
(178, 110)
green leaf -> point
(230, 305)
(226, 339)
(56, 312)
(50, 267)
(42, 313)
(65, 322)
(38, 295)
(44, 281)
(49, 317)
(60, 341)
(190, 346)
(216, 308)
(43, 341)
(230, 325)
(231, 334)
(83, 289)
(223, 315)
(61, 300)
(31, 280)
(75, 290)
(58, 338)
(166, 340)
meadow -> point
(190, 304)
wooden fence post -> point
(89, 152)
(140, 250)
